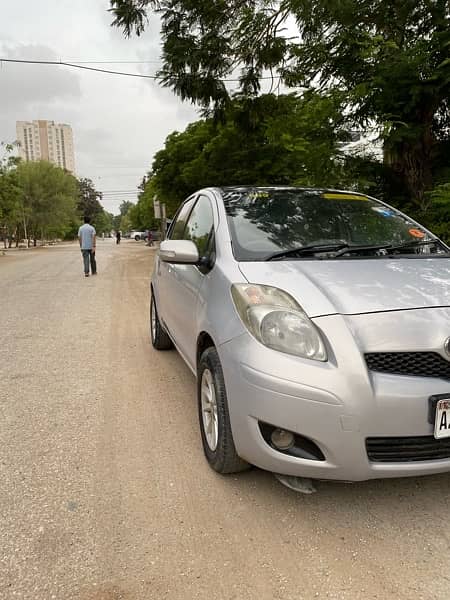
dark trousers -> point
(88, 255)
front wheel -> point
(158, 335)
(215, 427)
(137, 238)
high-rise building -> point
(46, 140)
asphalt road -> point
(104, 491)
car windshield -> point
(270, 223)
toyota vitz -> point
(317, 323)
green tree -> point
(103, 222)
(119, 223)
(89, 204)
(284, 140)
(89, 199)
(125, 223)
(10, 196)
(49, 199)
(390, 59)
(141, 215)
(125, 207)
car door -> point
(184, 281)
(165, 271)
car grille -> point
(418, 364)
(407, 449)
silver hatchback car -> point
(317, 323)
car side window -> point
(200, 226)
(177, 228)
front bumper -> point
(337, 405)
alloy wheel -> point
(209, 409)
(153, 320)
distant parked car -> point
(138, 235)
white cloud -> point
(118, 123)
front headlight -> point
(275, 319)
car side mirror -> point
(179, 252)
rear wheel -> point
(215, 426)
(137, 238)
(159, 337)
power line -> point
(75, 66)
(118, 167)
(116, 62)
(108, 71)
(114, 175)
(116, 193)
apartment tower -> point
(46, 140)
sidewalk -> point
(22, 247)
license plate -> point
(442, 419)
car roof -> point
(246, 188)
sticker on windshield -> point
(345, 197)
(383, 210)
(416, 233)
(253, 196)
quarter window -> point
(200, 225)
(177, 230)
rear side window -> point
(177, 230)
(200, 225)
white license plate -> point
(442, 419)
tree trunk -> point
(24, 225)
(410, 159)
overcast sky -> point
(118, 123)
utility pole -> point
(160, 213)
(163, 220)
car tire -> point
(137, 238)
(159, 337)
(215, 427)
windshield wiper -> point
(354, 249)
(418, 243)
(341, 249)
(305, 251)
(335, 250)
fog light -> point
(282, 439)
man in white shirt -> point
(87, 239)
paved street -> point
(104, 491)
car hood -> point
(324, 287)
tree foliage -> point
(48, 195)
(39, 200)
(89, 205)
(389, 58)
(10, 194)
(89, 199)
(280, 140)
(287, 140)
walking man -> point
(87, 239)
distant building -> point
(46, 140)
